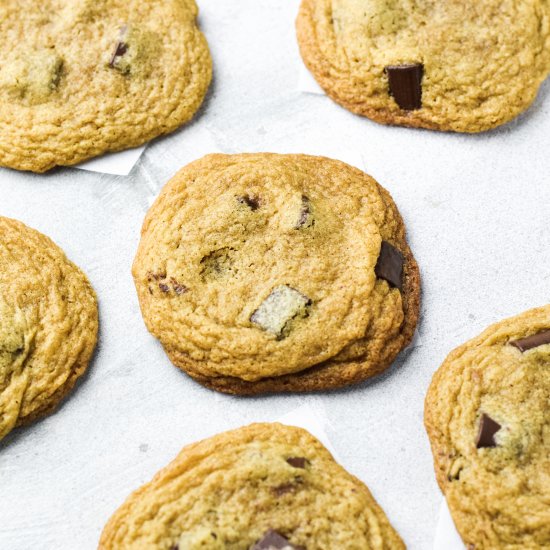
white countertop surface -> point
(477, 210)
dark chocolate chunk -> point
(533, 341)
(390, 265)
(178, 288)
(275, 541)
(406, 85)
(283, 489)
(297, 461)
(164, 288)
(277, 311)
(252, 202)
(156, 276)
(175, 547)
(305, 219)
(487, 430)
(120, 48)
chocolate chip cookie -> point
(79, 78)
(459, 65)
(268, 273)
(487, 415)
(48, 325)
(264, 486)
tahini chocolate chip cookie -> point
(459, 65)
(79, 78)
(267, 273)
(48, 325)
(261, 487)
(488, 418)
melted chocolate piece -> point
(534, 341)
(120, 49)
(284, 489)
(178, 288)
(164, 288)
(305, 219)
(156, 276)
(406, 85)
(487, 430)
(252, 202)
(275, 541)
(297, 461)
(390, 265)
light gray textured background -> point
(477, 210)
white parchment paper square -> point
(117, 164)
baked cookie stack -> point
(262, 273)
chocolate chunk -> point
(156, 276)
(283, 489)
(487, 430)
(406, 85)
(252, 202)
(297, 461)
(120, 48)
(390, 265)
(164, 288)
(275, 541)
(279, 308)
(178, 288)
(533, 341)
(306, 218)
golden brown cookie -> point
(487, 414)
(459, 65)
(48, 325)
(79, 78)
(261, 487)
(264, 272)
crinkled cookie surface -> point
(265, 272)
(48, 325)
(479, 64)
(487, 415)
(79, 78)
(244, 489)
